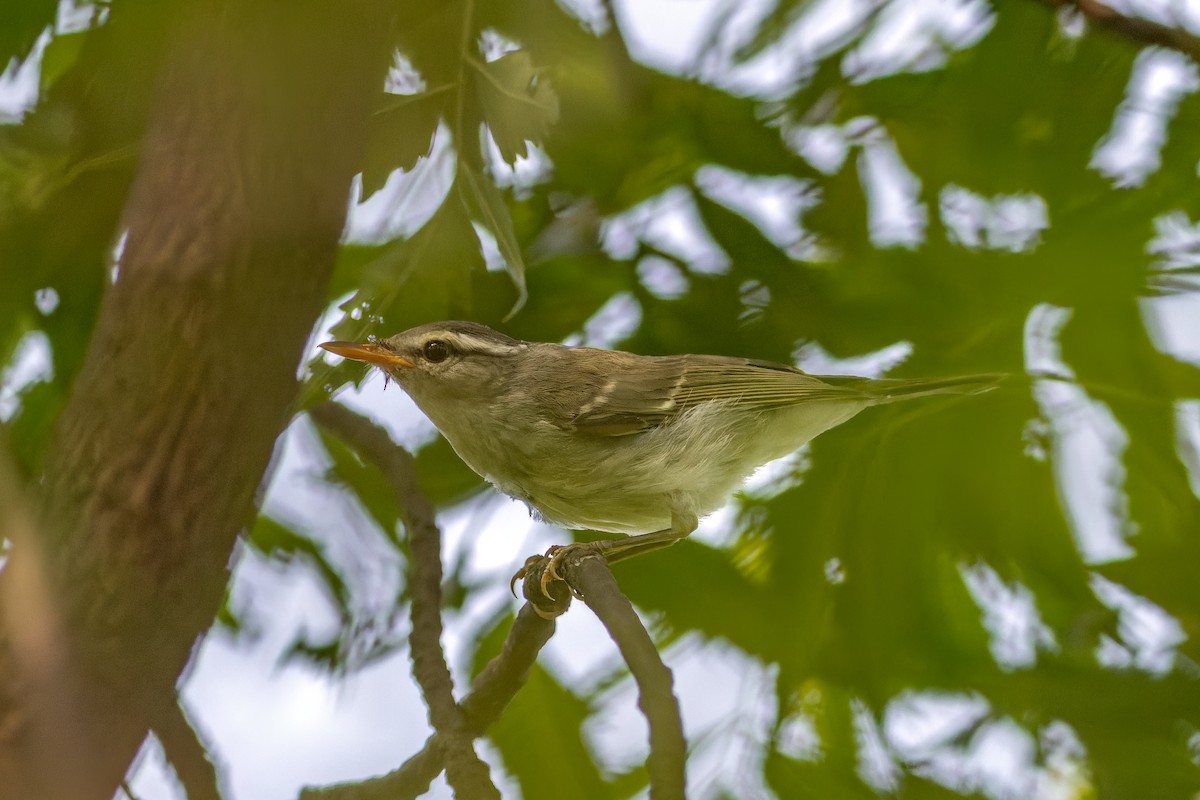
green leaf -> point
(518, 103)
(426, 277)
(735, 615)
(24, 21)
(399, 133)
(486, 205)
(833, 773)
(60, 55)
(367, 484)
(444, 478)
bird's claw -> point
(553, 557)
(520, 574)
(550, 572)
(542, 571)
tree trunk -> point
(232, 227)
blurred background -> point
(994, 596)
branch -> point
(593, 580)
(1137, 29)
(34, 642)
(184, 748)
(490, 693)
(465, 772)
(231, 225)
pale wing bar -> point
(670, 385)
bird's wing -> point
(662, 388)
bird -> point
(607, 440)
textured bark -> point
(233, 222)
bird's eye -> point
(436, 350)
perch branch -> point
(591, 577)
(491, 691)
(184, 748)
(465, 772)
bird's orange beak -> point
(369, 352)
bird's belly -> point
(634, 495)
(647, 482)
(617, 513)
(593, 490)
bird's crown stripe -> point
(474, 343)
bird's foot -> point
(543, 572)
(548, 590)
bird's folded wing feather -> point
(662, 388)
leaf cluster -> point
(857, 588)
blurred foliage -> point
(854, 585)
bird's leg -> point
(612, 550)
(621, 549)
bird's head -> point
(440, 362)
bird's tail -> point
(889, 390)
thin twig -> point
(465, 772)
(185, 749)
(491, 691)
(591, 577)
(1137, 29)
